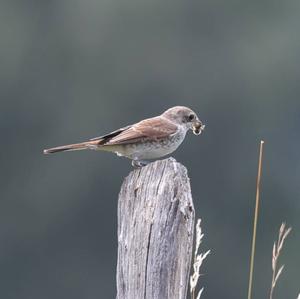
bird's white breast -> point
(153, 149)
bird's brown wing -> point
(105, 138)
(149, 129)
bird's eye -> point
(191, 117)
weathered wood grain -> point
(155, 232)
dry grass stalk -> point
(259, 171)
(277, 247)
(198, 260)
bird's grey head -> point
(186, 117)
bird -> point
(146, 140)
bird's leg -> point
(135, 164)
(139, 163)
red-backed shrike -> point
(148, 139)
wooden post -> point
(155, 232)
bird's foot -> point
(139, 163)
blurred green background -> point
(71, 70)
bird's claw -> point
(139, 163)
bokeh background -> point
(71, 70)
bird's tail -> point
(72, 147)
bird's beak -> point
(198, 127)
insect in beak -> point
(198, 127)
